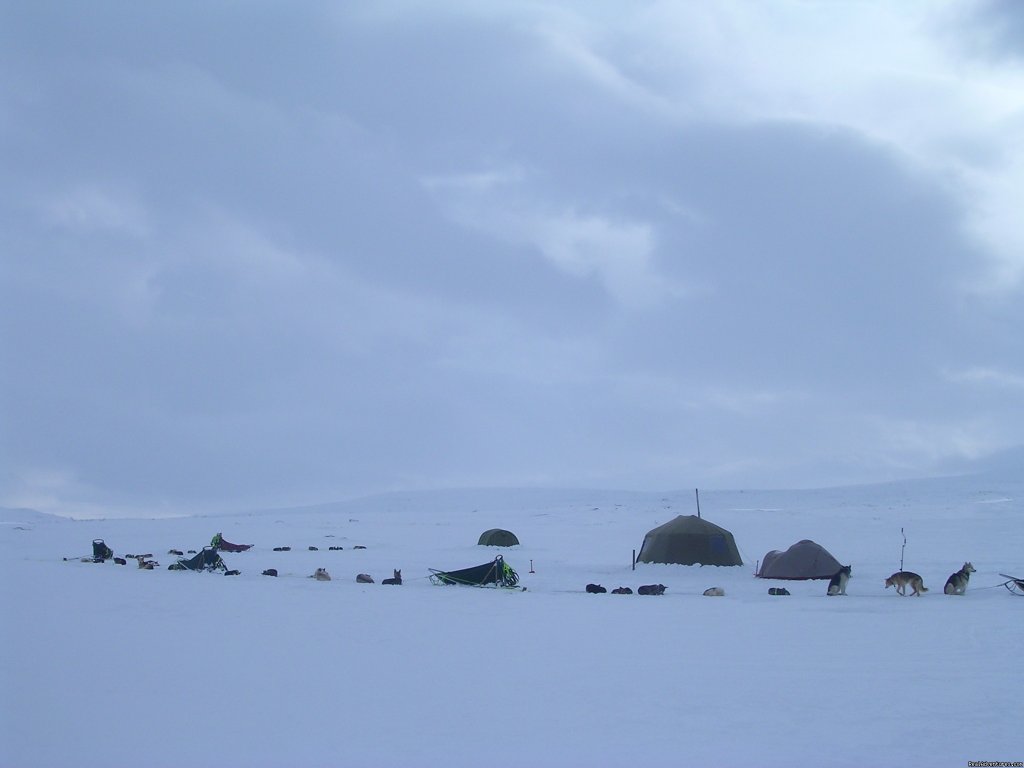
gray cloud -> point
(288, 255)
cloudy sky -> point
(259, 254)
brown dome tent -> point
(689, 540)
(803, 560)
(498, 537)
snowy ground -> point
(104, 664)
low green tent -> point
(689, 540)
(498, 537)
(804, 560)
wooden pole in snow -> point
(697, 493)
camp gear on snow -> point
(498, 537)
(207, 560)
(1015, 585)
(497, 572)
(689, 540)
(803, 560)
(219, 542)
(100, 551)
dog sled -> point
(1012, 583)
(497, 573)
(219, 542)
(207, 560)
(100, 551)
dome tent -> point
(498, 537)
(689, 540)
(803, 560)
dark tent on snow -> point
(689, 540)
(804, 560)
(498, 537)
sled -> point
(207, 560)
(1012, 583)
(497, 573)
(219, 542)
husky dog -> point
(622, 591)
(270, 572)
(595, 589)
(778, 591)
(714, 592)
(396, 580)
(957, 583)
(902, 579)
(651, 589)
(837, 584)
(321, 574)
(364, 578)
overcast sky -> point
(260, 254)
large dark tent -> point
(498, 537)
(689, 540)
(803, 560)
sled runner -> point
(498, 572)
(1015, 585)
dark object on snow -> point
(177, 552)
(778, 591)
(803, 560)
(364, 578)
(176, 567)
(498, 572)
(270, 572)
(1015, 585)
(100, 551)
(334, 549)
(651, 589)
(191, 551)
(219, 542)
(207, 560)
(497, 537)
(396, 579)
(120, 561)
(282, 549)
(595, 589)
(232, 573)
(622, 591)
(314, 549)
(689, 540)
(358, 546)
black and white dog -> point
(837, 584)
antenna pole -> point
(697, 494)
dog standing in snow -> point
(903, 579)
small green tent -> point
(498, 537)
(689, 540)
